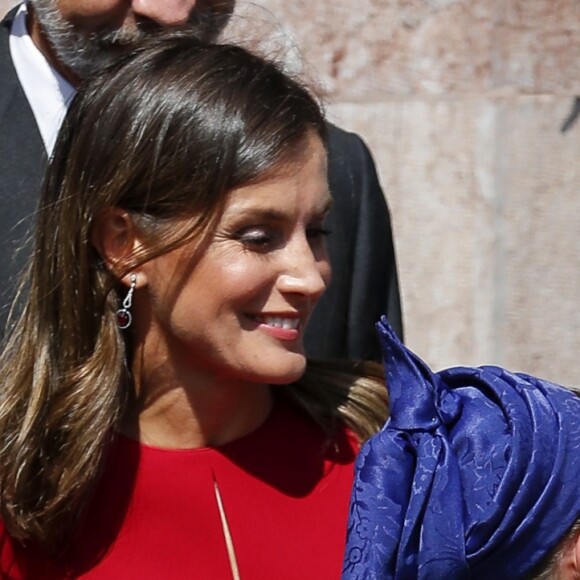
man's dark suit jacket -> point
(364, 281)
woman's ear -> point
(116, 239)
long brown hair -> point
(165, 133)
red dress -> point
(155, 515)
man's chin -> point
(85, 53)
(84, 61)
(85, 65)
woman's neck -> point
(183, 408)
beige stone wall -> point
(5, 5)
(462, 103)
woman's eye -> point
(256, 238)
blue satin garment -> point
(475, 475)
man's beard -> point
(85, 52)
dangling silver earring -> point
(124, 317)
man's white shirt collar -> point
(48, 93)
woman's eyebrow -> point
(328, 203)
(272, 214)
(259, 213)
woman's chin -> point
(288, 371)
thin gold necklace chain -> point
(227, 533)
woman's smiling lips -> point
(282, 326)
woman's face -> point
(239, 311)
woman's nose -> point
(305, 273)
(164, 12)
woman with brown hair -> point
(158, 417)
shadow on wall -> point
(571, 119)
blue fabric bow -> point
(475, 474)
